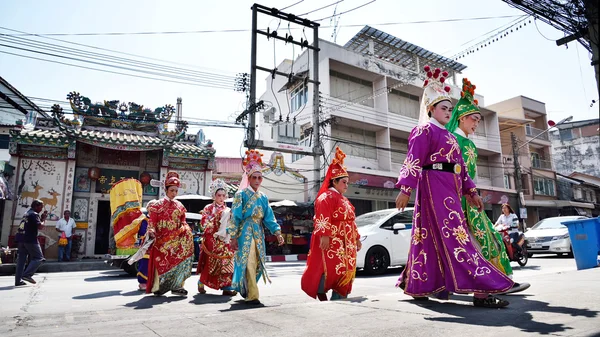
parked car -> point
(550, 236)
(385, 237)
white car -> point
(550, 236)
(385, 237)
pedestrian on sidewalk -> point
(250, 211)
(442, 256)
(463, 123)
(171, 255)
(28, 244)
(331, 263)
(215, 263)
(66, 226)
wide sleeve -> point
(323, 215)
(418, 148)
(204, 217)
(269, 219)
(468, 186)
(235, 223)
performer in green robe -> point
(464, 121)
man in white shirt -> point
(66, 225)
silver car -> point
(550, 236)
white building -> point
(371, 87)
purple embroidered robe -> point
(442, 256)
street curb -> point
(55, 267)
(287, 258)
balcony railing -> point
(534, 132)
(541, 164)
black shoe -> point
(253, 302)
(29, 279)
(21, 283)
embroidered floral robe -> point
(481, 227)
(171, 254)
(334, 217)
(442, 256)
(215, 264)
(249, 212)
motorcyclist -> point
(509, 221)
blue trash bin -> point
(585, 240)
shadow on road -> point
(108, 277)
(148, 302)
(517, 315)
(109, 293)
(241, 305)
(209, 298)
(388, 272)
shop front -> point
(72, 164)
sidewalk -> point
(99, 264)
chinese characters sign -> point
(109, 177)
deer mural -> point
(31, 194)
(52, 202)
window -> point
(535, 159)
(355, 142)
(544, 186)
(578, 194)
(506, 181)
(350, 88)
(4, 140)
(298, 97)
(302, 142)
(403, 218)
(566, 134)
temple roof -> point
(103, 138)
(40, 137)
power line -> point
(321, 8)
(100, 48)
(120, 60)
(243, 30)
(115, 72)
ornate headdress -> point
(465, 106)
(253, 162)
(336, 170)
(215, 185)
(434, 91)
(172, 179)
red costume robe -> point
(171, 255)
(215, 264)
(334, 217)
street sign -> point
(523, 213)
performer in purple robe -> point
(442, 256)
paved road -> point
(561, 301)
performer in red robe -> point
(171, 255)
(215, 264)
(335, 240)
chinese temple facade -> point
(71, 163)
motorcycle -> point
(514, 254)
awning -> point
(557, 203)
(192, 197)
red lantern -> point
(145, 178)
(94, 173)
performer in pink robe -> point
(442, 256)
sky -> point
(526, 62)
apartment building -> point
(526, 118)
(370, 90)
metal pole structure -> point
(518, 180)
(251, 140)
(315, 122)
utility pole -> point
(518, 181)
(252, 106)
(315, 120)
